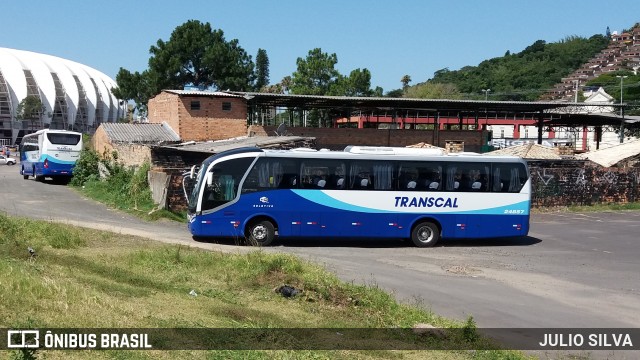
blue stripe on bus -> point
(322, 199)
(53, 159)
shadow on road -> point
(379, 243)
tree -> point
(195, 55)
(405, 81)
(315, 74)
(262, 69)
(397, 93)
(357, 84)
(134, 86)
(431, 90)
(30, 109)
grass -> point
(115, 197)
(88, 278)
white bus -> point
(364, 192)
(49, 153)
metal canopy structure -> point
(547, 114)
(594, 120)
(550, 109)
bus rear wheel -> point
(36, 176)
(425, 234)
(261, 233)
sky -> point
(389, 38)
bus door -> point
(457, 182)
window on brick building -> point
(226, 106)
(195, 105)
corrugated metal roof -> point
(203, 93)
(612, 155)
(215, 147)
(528, 151)
(143, 133)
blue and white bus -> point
(49, 153)
(364, 192)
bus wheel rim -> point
(260, 232)
(425, 234)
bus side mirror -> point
(192, 172)
(209, 178)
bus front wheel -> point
(24, 176)
(261, 233)
(425, 234)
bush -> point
(86, 167)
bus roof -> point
(386, 153)
(42, 131)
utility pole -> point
(486, 94)
(622, 77)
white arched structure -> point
(74, 96)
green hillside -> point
(523, 76)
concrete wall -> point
(159, 184)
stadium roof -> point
(80, 84)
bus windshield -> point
(219, 184)
(63, 139)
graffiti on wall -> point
(579, 183)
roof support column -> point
(598, 136)
(540, 127)
(621, 121)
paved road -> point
(575, 270)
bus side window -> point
(363, 181)
(289, 181)
(509, 178)
(497, 185)
(336, 179)
(451, 178)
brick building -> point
(200, 115)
